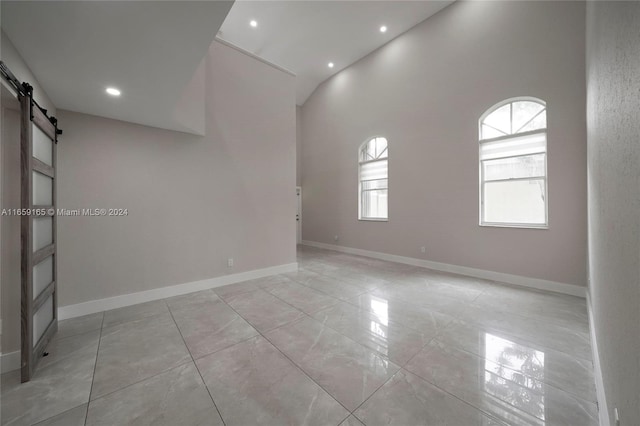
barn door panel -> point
(39, 320)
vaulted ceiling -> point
(304, 36)
(151, 50)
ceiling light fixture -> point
(330, 65)
(383, 29)
(113, 91)
(253, 23)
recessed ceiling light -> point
(253, 23)
(383, 29)
(330, 64)
(113, 91)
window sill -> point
(514, 225)
(367, 219)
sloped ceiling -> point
(148, 50)
(151, 50)
(304, 36)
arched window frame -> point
(365, 161)
(514, 135)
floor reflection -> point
(513, 373)
(380, 309)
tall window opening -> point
(373, 180)
(513, 164)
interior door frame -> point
(8, 102)
(298, 215)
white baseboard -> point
(10, 361)
(603, 410)
(94, 306)
(518, 280)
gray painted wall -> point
(425, 92)
(10, 229)
(20, 69)
(193, 201)
(613, 123)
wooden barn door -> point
(39, 319)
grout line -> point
(457, 316)
(146, 317)
(540, 318)
(287, 357)
(351, 412)
(368, 312)
(193, 361)
(435, 337)
(226, 347)
(59, 339)
(310, 316)
(323, 293)
(254, 327)
(345, 419)
(340, 281)
(485, 413)
(395, 299)
(544, 381)
(141, 380)
(392, 376)
(95, 366)
(373, 393)
(59, 414)
(521, 340)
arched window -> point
(513, 164)
(373, 180)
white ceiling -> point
(149, 50)
(304, 36)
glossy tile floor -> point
(346, 340)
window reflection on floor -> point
(380, 309)
(513, 373)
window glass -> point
(373, 179)
(513, 164)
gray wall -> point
(613, 123)
(10, 228)
(425, 92)
(193, 201)
(21, 70)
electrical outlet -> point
(616, 416)
(335, 238)
(423, 249)
(230, 262)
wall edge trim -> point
(99, 305)
(254, 56)
(10, 361)
(603, 409)
(518, 280)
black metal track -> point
(25, 89)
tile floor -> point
(346, 340)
